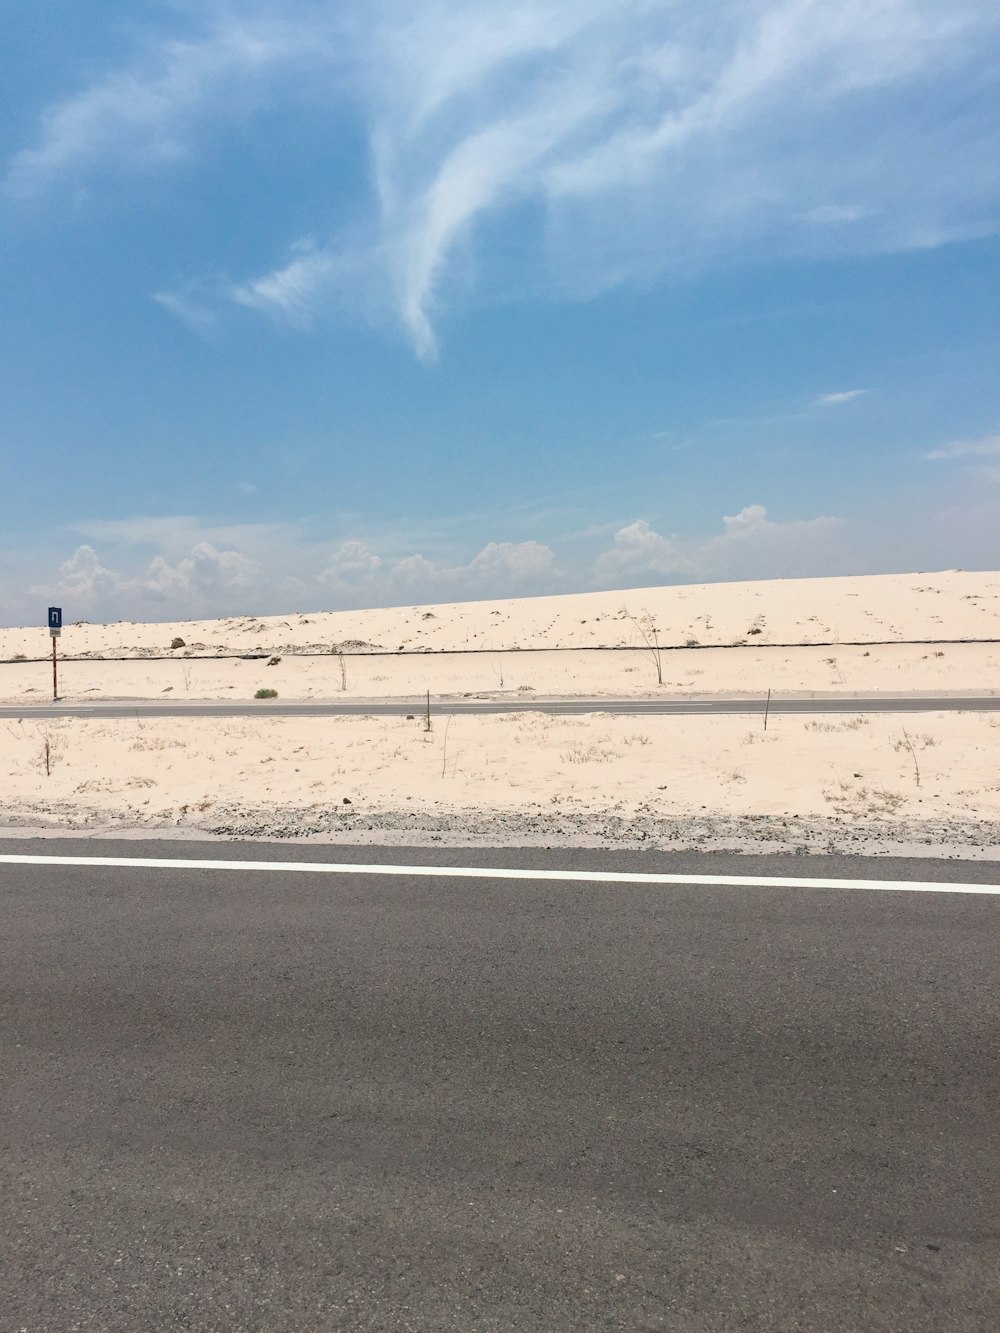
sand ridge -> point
(954, 606)
(841, 781)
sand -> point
(880, 782)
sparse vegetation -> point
(650, 637)
(266, 694)
(47, 755)
(587, 754)
(444, 746)
(907, 744)
(848, 724)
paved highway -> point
(872, 703)
(252, 1097)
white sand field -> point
(880, 782)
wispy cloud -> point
(154, 110)
(836, 399)
(640, 134)
(986, 447)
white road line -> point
(475, 872)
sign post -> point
(55, 629)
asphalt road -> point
(273, 1101)
(556, 706)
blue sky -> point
(340, 304)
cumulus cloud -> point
(500, 569)
(415, 571)
(750, 546)
(82, 579)
(203, 578)
(518, 562)
(206, 572)
(642, 134)
(639, 552)
(350, 564)
(753, 546)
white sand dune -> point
(931, 780)
(956, 606)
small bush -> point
(266, 694)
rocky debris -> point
(536, 827)
(177, 643)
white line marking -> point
(474, 872)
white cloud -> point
(205, 574)
(831, 215)
(198, 580)
(154, 111)
(750, 546)
(639, 552)
(291, 291)
(500, 568)
(82, 579)
(645, 133)
(518, 562)
(188, 304)
(986, 447)
(414, 569)
(351, 563)
(835, 399)
(173, 535)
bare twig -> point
(650, 637)
(444, 747)
(908, 744)
(427, 715)
(47, 752)
(343, 670)
(767, 709)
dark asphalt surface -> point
(284, 1102)
(555, 706)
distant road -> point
(566, 705)
(414, 1093)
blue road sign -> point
(55, 617)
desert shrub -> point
(266, 694)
